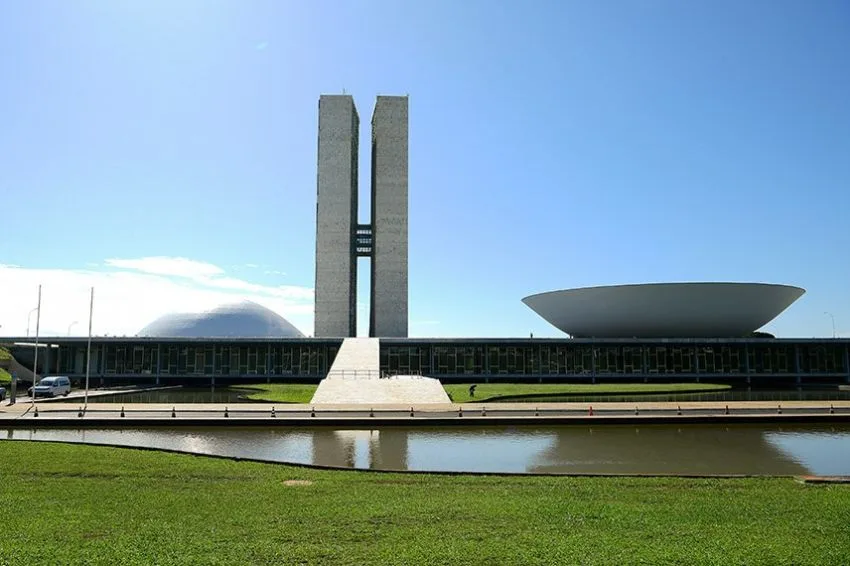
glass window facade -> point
(465, 360)
(199, 359)
(573, 359)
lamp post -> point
(29, 318)
(35, 349)
(70, 326)
(88, 350)
(833, 322)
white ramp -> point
(355, 379)
(357, 357)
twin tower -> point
(340, 239)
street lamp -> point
(70, 326)
(29, 317)
(833, 322)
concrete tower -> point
(340, 240)
(388, 308)
(336, 217)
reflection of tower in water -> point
(384, 449)
(388, 449)
(333, 448)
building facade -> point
(388, 297)
(340, 240)
(336, 217)
(754, 362)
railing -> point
(368, 374)
(574, 411)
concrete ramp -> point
(355, 379)
(357, 357)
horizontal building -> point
(758, 361)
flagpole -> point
(35, 354)
(88, 350)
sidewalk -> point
(254, 414)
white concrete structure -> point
(664, 310)
(245, 319)
(395, 390)
(355, 378)
(357, 357)
(389, 294)
(340, 240)
(336, 217)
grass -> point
(5, 376)
(459, 393)
(67, 504)
(281, 392)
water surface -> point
(567, 449)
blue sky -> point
(552, 145)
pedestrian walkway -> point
(69, 414)
(355, 378)
(357, 357)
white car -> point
(51, 387)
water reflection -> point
(652, 449)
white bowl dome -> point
(245, 319)
(664, 310)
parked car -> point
(2, 393)
(51, 387)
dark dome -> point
(245, 319)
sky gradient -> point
(165, 152)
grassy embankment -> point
(68, 504)
(280, 392)
(5, 376)
(459, 393)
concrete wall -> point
(336, 217)
(389, 295)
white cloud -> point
(128, 298)
(173, 266)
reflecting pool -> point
(567, 449)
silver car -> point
(51, 387)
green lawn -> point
(302, 393)
(281, 392)
(488, 391)
(66, 504)
(5, 376)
